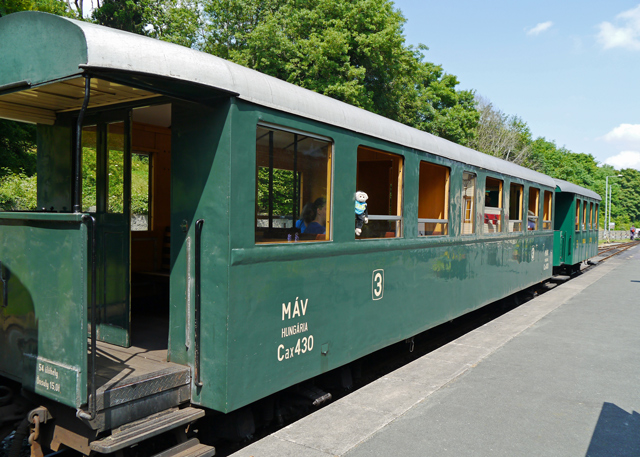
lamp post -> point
(607, 205)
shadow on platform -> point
(617, 433)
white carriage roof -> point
(115, 50)
(566, 186)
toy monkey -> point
(362, 214)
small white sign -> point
(377, 286)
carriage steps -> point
(138, 431)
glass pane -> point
(433, 228)
(140, 179)
(381, 229)
(89, 182)
(293, 181)
(115, 164)
(533, 212)
(468, 206)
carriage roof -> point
(565, 186)
(61, 49)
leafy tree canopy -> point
(352, 51)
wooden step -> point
(136, 432)
(191, 448)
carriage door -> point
(110, 143)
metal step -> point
(138, 431)
(191, 448)
(560, 278)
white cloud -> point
(538, 29)
(624, 34)
(627, 135)
(624, 159)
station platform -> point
(557, 376)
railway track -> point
(605, 252)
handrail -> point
(94, 322)
(198, 271)
(77, 190)
(5, 290)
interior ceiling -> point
(41, 104)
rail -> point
(198, 272)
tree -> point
(58, 7)
(352, 51)
(501, 135)
(17, 148)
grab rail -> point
(198, 264)
(94, 322)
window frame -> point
(473, 202)
(329, 182)
(399, 216)
(500, 207)
(536, 206)
(521, 221)
(446, 200)
(578, 212)
(150, 215)
(547, 224)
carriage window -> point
(115, 162)
(433, 200)
(89, 157)
(140, 191)
(591, 226)
(595, 218)
(533, 212)
(293, 187)
(515, 207)
(584, 215)
(468, 203)
(493, 206)
(577, 215)
(546, 210)
(379, 175)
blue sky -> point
(569, 69)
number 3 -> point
(377, 287)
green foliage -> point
(17, 191)
(352, 51)
(17, 148)
(48, 6)
(282, 191)
(125, 15)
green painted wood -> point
(43, 330)
(48, 59)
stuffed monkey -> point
(362, 214)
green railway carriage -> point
(575, 225)
(212, 298)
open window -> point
(595, 218)
(468, 203)
(546, 210)
(293, 186)
(379, 175)
(433, 200)
(493, 206)
(591, 226)
(516, 193)
(141, 173)
(577, 215)
(534, 209)
(584, 215)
